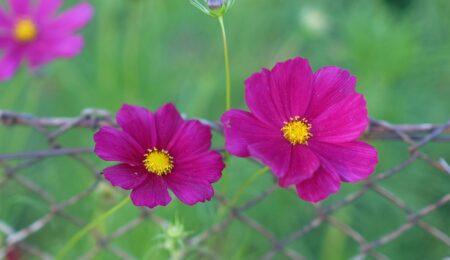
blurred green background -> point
(149, 52)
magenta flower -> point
(304, 126)
(159, 151)
(36, 34)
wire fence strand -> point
(52, 129)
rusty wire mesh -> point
(416, 136)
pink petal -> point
(139, 123)
(19, 7)
(275, 153)
(331, 85)
(38, 58)
(4, 20)
(73, 19)
(4, 41)
(243, 129)
(191, 138)
(44, 51)
(302, 166)
(319, 187)
(47, 8)
(151, 193)
(291, 86)
(341, 122)
(353, 161)
(206, 166)
(9, 65)
(38, 54)
(277, 95)
(114, 145)
(257, 96)
(125, 176)
(68, 47)
(168, 120)
(189, 190)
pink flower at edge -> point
(38, 35)
(304, 126)
(157, 152)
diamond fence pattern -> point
(415, 136)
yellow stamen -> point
(25, 30)
(297, 131)
(158, 162)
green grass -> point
(151, 52)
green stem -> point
(247, 184)
(80, 234)
(227, 64)
(223, 211)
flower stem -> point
(227, 64)
(80, 234)
(247, 184)
(241, 190)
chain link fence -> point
(16, 166)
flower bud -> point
(215, 4)
(215, 8)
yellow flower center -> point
(158, 162)
(297, 131)
(25, 30)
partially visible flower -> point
(215, 8)
(157, 152)
(38, 35)
(304, 126)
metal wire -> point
(416, 136)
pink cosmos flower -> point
(159, 151)
(304, 126)
(38, 35)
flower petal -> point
(9, 64)
(73, 19)
(114, 145)
(341, 122)
(47, 8)
(206, 166)
(139, 123)
(125, 176)
(274, 153)
(44, 51)
(168, 121)
(38, 58)
(19, 7)
(303, 164)
(319, 187)
(68, 47)
(151, 193)
(192, 137)
(331, 85)
(4, 20)
(189, 190)
(352, 162)
(243, 129)
(277, 95)
(4, 41)
(291, 86)
(258, 99)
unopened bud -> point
(216, 4)
(215, 8)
